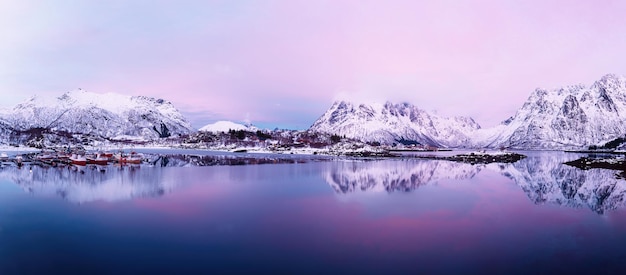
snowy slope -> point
(223, 126)
(570, 117)
(389, 122)
(5, 130)
(105, 115)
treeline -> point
(261, 138)
(613, 144)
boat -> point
(78, 159)
(134, 158)
(63, 157)
(4, 156)
(46, 156)
(19, 160)
(99, 159)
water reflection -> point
(80, 184)
(182, 160)
(545, 179)
(542, 176)
(400, 175)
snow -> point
(128, 138)
(571, 117)
(389, 122)
(105, 115)
(565, 118)
(223, 126)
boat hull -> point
(78, 162)
(97, 162)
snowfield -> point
(225, 126)
(104, 115)
(390, 122)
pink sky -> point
(281, 63)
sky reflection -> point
(291, 218)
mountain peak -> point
(391, 123)
(611, 77)
(106, 115)
(574, 116)
(611, 82)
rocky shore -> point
(479, 158)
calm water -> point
(313, 216)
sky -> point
(282, 63)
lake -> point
(227, 213)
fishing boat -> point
(63, 156)
(99, 159)
(133, 157)
(4, 156)
(78, 159)
(107, 154)
(46, 156)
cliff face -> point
(570, 117)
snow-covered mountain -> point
(225, 126)
(5, 130)
(106, 115)
(390, 122)
(570, 117)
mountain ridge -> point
(573, 116)
(105, 115)
(391, 122)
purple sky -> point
(282, 63)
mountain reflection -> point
(400, 175)
(80, 184)
(545, 179)
(542, 176)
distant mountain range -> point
(570, 117)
